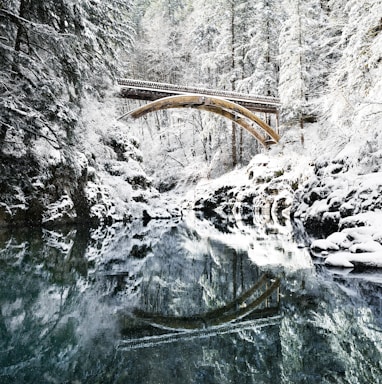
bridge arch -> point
(228, 109)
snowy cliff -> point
(341, 207)
(98, 180)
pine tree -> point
(52, 51)
(159, 54)
(354, 84)
(261, 53)
(299, 63)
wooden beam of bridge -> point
(226, 108)
(151, 91)
(238, 309)
(238, 120)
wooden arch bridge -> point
(238, 107)
(259, 302)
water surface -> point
(193, 301)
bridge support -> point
(228, 109)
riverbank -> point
(334, 204)
(333, 199)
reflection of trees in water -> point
(189, 274)
(326, 333)
(39, 275)
(59, 293)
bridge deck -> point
(147, 90)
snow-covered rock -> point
(324, 245)
(351, 260)
(60, 212)
(96, 184)
(264, 187)
(368, 246)
(340, 260)
(341, 204)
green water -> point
(186, 302)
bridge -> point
(238, 107)
(260, 302)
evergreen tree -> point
(293, 77)
(159, 54)
(299, 62)
(51, 52)
(355, 81)
(204, 34)
(261, 53)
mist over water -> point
(192, 301)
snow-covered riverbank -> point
(333, 194)
(336, 202)
(341, 204)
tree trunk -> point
(302, 93)
(233, 82)
(20, 35)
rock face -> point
(265, 188)
(341, 206)
(30, 188)
(335, 196)
(49, 188)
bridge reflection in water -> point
(197, 290)
(181, 303)
(255, 308)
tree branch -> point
(176, 160)
(43, 28)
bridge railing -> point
(163, 87)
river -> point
(182, 301)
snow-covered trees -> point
(51, 52)
(294, 76)
(159, 54)
(355, 83)
(321, 57)
(330, 64)
(224, 44)
(260, 48)
(52, 55)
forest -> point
(65, 158)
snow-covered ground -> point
(333, 188)
(331, 183)
(336, 197)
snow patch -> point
(324, 245)
(350, 260)
(62, 211)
